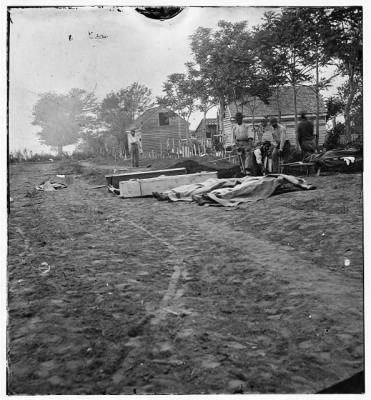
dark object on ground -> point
(294, 156)
(193, 167)
(354, 385)
(233, 172)
(333, 160)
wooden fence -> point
(189, 148)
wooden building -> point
(256, 114)
(160, 128)
(211, 135)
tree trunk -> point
(278, 103)
(317, 103)
(221, 117)
(253, 118)
(296, 114)
(348, 105)
(294, 93)
(60, 150)
(187, 131)
(179, 130)
(205, 133)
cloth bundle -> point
(232, 192)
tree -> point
(313, 51)
(282, 35)
(335, 105)
(344, 41)
(117, 120)
(63, 116)
(201, 93)
(272, 60)
(225, 60)
(179, 95)
(135, 99)
(355, 115)
(117, 111)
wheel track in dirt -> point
(313, 279)
(314, 284)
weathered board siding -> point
(306, 102)
(227, 129)
(154, 136)
(287, 120)
(291, 132)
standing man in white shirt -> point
(242, 141)
(135, 146)
(278, 132)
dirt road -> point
(141, 296)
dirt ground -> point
(141, 296)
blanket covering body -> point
(234, 191)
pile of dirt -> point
(193, 167)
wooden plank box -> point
(145, 187)
(115, 179)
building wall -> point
(291, 132)
(210, 130)
(154, 136)
(287, 121)
(227, 128)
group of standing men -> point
(265, 157)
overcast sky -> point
(98, 49)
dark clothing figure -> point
(259, 160)
(305, 136)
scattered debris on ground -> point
(49, 186)
(157, 299)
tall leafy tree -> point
(135, 99)
(314, 52)
(179, 95)
(62, 117)
(272, 60)
(117, 120)
(209, 51)
(250, 78)
(205, 101)
(226, 62)
(344, 41)
(118, 110)
(283, 34)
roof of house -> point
(305, 102)
(146, 114)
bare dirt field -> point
(141, 296)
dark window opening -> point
(211, 131)
(164, 118)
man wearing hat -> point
(241, 140)
(278, 132)
(135, 144)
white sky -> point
(42, 58)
